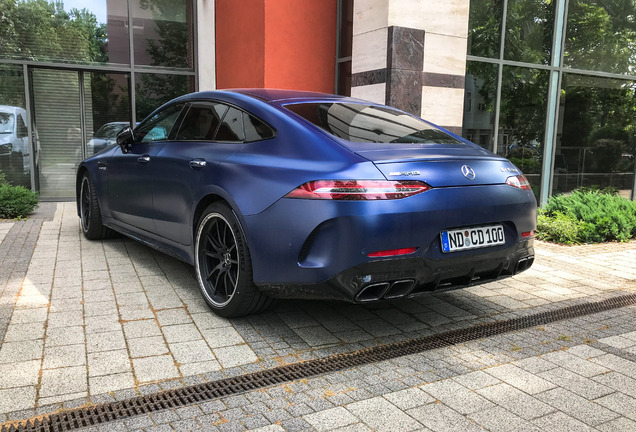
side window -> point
(158, 127)
(231, 128)
(255, 129)
(22, 127)
(201, 122)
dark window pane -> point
(255, 129)
(46, 31)
(367, 123)
(479, 104)
(484, 28)
(107, 109)
(596, 144)
(346, 28)
(344, 78)
(158, 127)
(231, 128)
(201, 122)
(529, 31)
(522, 120)
(163, 33)
(601, 35)
(153, 90)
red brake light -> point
(358, 189)
(519, 181)
(393, 252)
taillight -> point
(392, 252)
(358, 190)
(519, 181)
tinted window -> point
(21, 130)
(368, 123)
(255, 129)
(158, 127)
(231, 128)
(201, 122)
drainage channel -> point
(103, 413)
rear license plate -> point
(472, 238)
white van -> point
(14, 141)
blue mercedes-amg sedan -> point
(278, 193)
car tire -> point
(90, 215)
(223, 265)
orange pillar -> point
(288, 44)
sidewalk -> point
(90, 322)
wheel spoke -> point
(215, 255)
(214, 243)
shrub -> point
(16, 201)
(587, 217)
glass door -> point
(57, 121)
(75, 115)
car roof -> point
(12, 109)
(271, 96)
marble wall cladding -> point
(368, 77)
(445, 17)
(444, 54)
(403, 90)
(369, 51)
(443, 80)
(443, 106)
(374, 93)
(369, 15)
(406, 48)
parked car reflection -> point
(14, 143)
(104, 137)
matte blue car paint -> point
(254, 177)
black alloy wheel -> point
(223, 264)
(85, 204)
(90, 215)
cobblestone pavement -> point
(89, 322)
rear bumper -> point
(407, 277)
(298, 242)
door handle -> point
(101, 165)
(198, 163)
(143, 159)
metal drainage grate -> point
(103, 413)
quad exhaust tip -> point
(386, 290)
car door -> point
(130, 174)
(209, 133)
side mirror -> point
(125, 139)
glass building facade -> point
(72, 76)
(550, 84)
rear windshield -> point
(368, 123)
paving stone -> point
(476, 380)
(181, 333)
(155, 368)
(109, 383)
(457, 396)
(13, 352)
(108, 341)
(574, 363)
(330, 419)
(63, 381)
(102, 324)
(199, 368)
(168, 317)
(235, 355)
(561, 422)
(22, 332)
(380, 415)
(498, 419)
(577, 407)
(147, 346)
(515, 401)
(575, 383)
(19, 374)
(520, 379)
(191, 352)
(18, 398)
(139, 329)
(64, 356)
(222, 337)
(620, 403)
(439, 417)
(619, 425)
(108, 362)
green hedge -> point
(587, 216)
(15, 201)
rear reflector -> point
(393, 252)
(527, 234)
(358, 190)
(519, 181)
